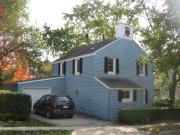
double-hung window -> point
(141, 69)
(62, 68)
(77, 66)
(111, 66)
(127, 96)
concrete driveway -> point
(86, 125)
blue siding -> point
(55, 69)
(90, 97)
(56, 85)
(127, 51)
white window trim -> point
(130, 99)
(114, 67)
(61, 69)
(76, 72)
(144, 71)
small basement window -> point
(127, 31)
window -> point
(77, 66)
(62, 68)
(111, 66)
(127, 31)
(141, 69)
(127, 95)
(42, 99)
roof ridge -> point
(86, 49)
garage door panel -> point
(36, 93)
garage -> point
(36, 93)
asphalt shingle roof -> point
(117, 83)
(87, 49)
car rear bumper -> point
(62, 112)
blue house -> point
(101, 78)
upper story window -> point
(77, 66)
(62, 68)
(127, 31)
(111, 66)
(141, 69)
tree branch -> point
(148, 18)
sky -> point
(50, 11)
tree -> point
(21, 46)
(162, 41)
(13, 14)
(33, 47)
(62, 40)
(92, 21)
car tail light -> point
(54, 104)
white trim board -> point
(87, 55)
(116, 88)
(40, 80)
(34, 88)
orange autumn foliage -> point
(21, 74)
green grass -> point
(29, 123)
(52, 132)
(162, 128)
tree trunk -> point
(172, 89)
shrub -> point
(177, 102)
(14, 106)
(132, 116)
(165, 102)
(162, 102)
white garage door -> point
(36, 93)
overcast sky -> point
(50, 11)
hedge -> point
(14, 106)
(132, 116)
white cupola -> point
(124, 30)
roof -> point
(40, 79)
(86, 49)
(118, 83)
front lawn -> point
(170, 127)
(29, 123)
(52, 132)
